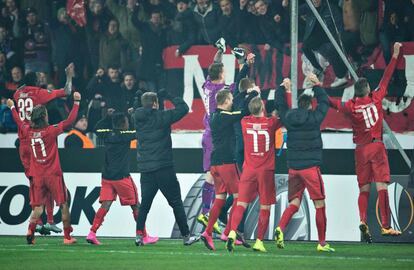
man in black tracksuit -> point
(116, 180)
(304, 155)
(155, 160)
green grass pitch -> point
(50, 253)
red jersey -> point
(366, 112)
(29, 96)
(259, 141)
(45, 157)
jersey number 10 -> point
(256, 134)
(370, 114)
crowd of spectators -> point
(118, 53)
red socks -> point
(363, 205)
(287, 216)
(49, 210)
(99, 218)
(67, 232)
(384, 207)
(32, 228)
(264, 215)
(321, 224)
(229, 220)
(237, 216)
(214, 213)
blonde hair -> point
(256, 106)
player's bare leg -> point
(263, 223)
(97, 222)
(284, 221)
(67, 228)
(363, 206)
(147, 239)
(384, 206)
(50, 225)
(34, 217)
(321, 226)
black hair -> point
(119, 120)
(30, 79)
(304, 101)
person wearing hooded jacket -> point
(155, 160)
(304, 155)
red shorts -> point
(310, 179)
(125, 188)
(47, 199)
(254, 181)
(25, 153)
(44, 187)
(226, 178)
(371, 163)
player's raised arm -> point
(251, 93)
(176, 114)
(389, 70)
(221, 46)
(280, 99)
(73, 113)
(245, 63)
(323, 103)
(15, 114)
(70, 73)
(46, 95)
(320, 94)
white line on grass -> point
(175, 253)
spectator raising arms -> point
(153, 42)
(124, 14)
(67, 45)
(98, 18)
